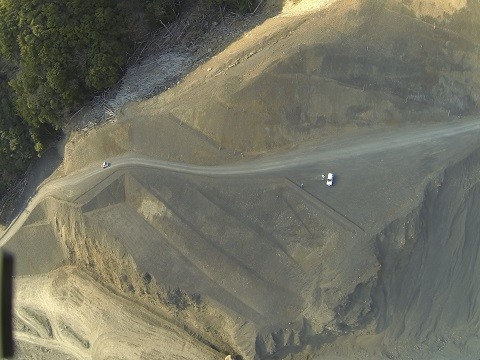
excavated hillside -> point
(157, 257)
(430, 260)
(348, 66)
(425, 297)
(253, 264)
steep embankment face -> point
(430, 263)
(422, 303)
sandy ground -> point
(78, 319)
(161, 256)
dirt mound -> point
(182, 224)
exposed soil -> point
(158, 259)
(268, 90)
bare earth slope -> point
(347, 66)
(71, 314)
(250, 263)
(161, 257)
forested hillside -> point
(55, 55)
(16, 149)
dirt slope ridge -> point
(351, 65)
(365, 63)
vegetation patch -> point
(55, 55)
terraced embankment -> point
(262, 283)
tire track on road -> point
(335, 215)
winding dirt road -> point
(302, 158)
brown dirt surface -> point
(199, 241)
(435, 8)
(269, 89)
(77, 318)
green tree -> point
(160, 12)
(66, 50)
(59, 54)
(16, 149)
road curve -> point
(360, 145)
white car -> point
(329, 179)
(105, 164)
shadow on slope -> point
(294, 78)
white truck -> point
(330, 179)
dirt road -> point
(273, 243)
(352, 147)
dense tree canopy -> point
(62, 53)
(16, 149)
(65, 51)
